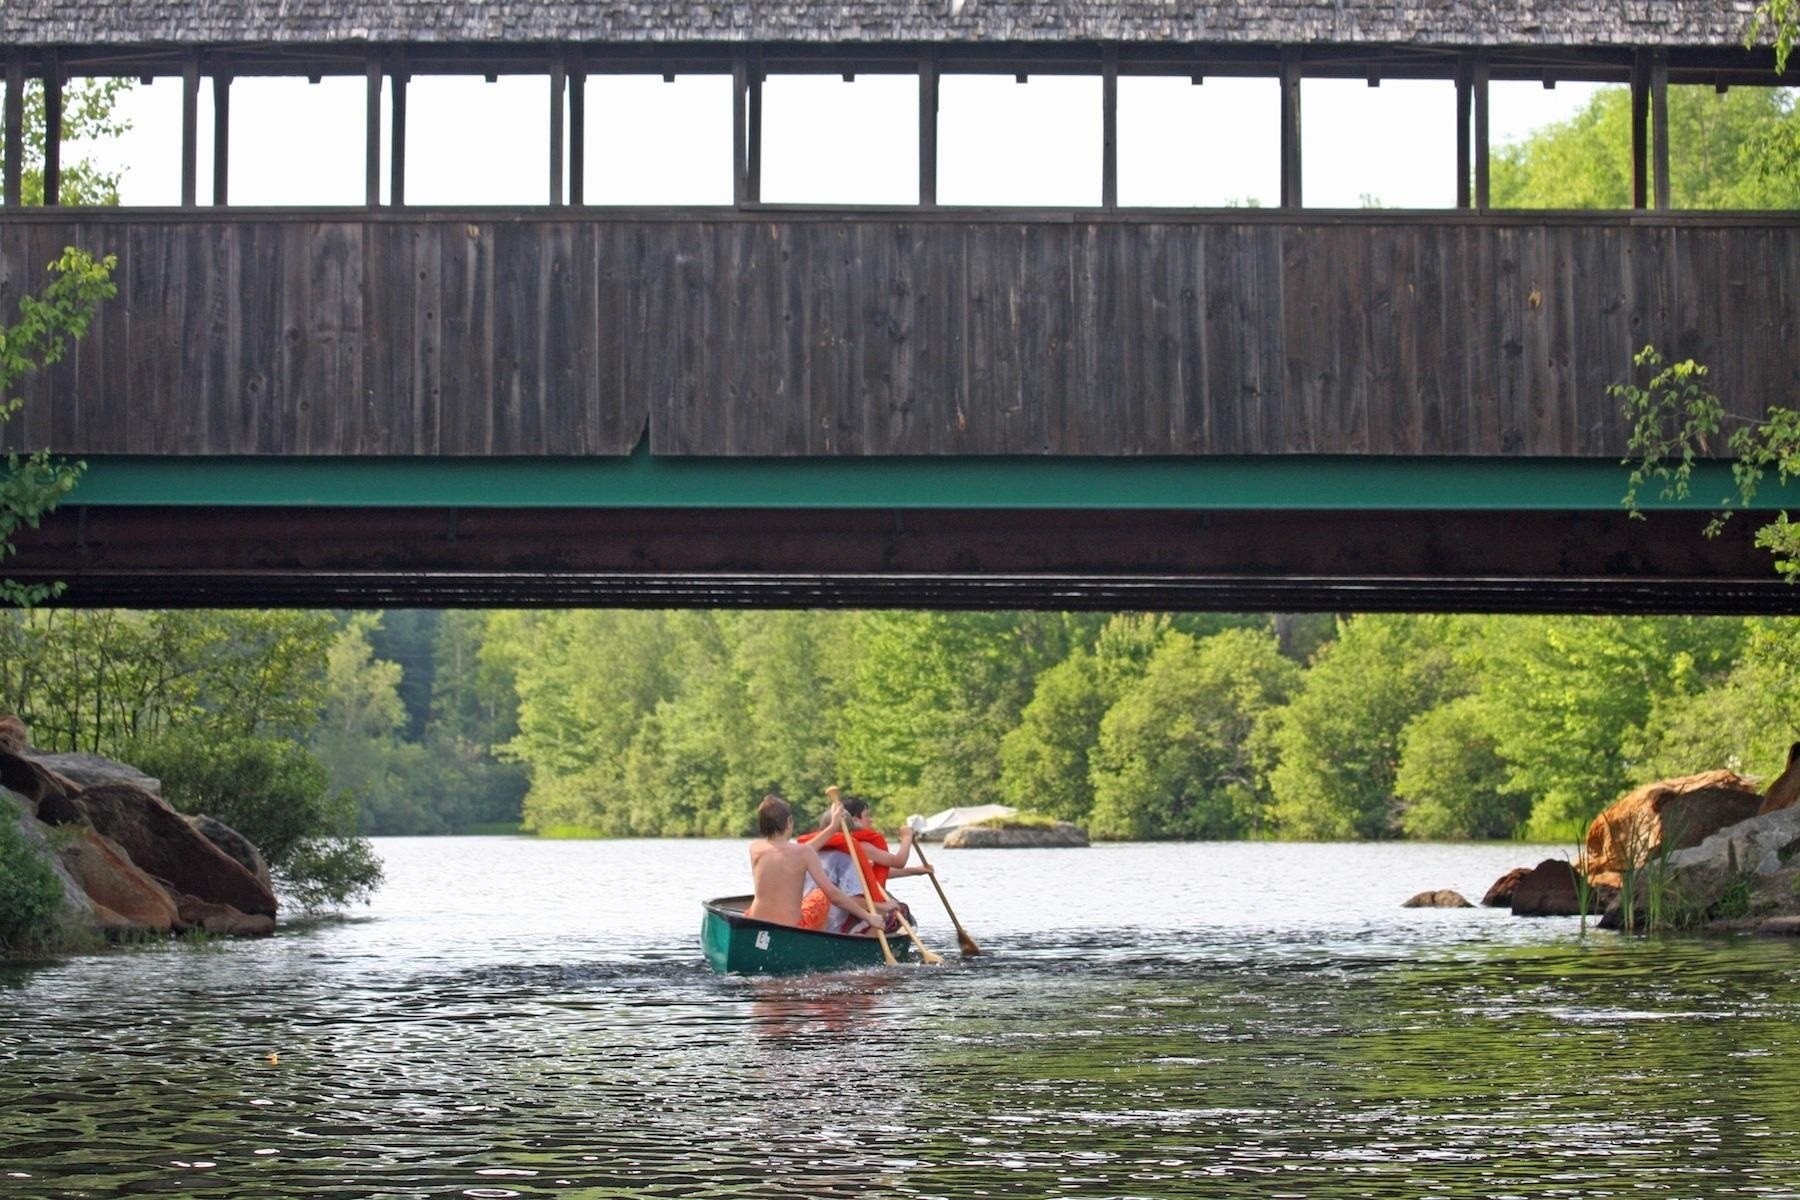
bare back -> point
(778, 872)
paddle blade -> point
(967, 943)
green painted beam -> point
(644, 481)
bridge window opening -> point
(1392, 146)
(826, 140)
(1006, 143)
(115, 135)
(1212, 145)
(1567, 147)
(651, 140)
(469, 141)
(1733, 150)
(292, 142)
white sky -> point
(826, 141)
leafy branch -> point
(1673, 414)
(49, 322)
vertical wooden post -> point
(753, 163)
(1465, 113)
(740, 142)
(1109, 128)
(53, 127)
(578, 133)
(559, 86)
(190, 131)
(221, 139)
(1659, 125)
(1290, 127)
(1640, 140)
(1482, 150)
(372, 127)
(398, 78)
(928, 130)
(15, 130)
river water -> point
(515, 1018)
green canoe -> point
(740, 945)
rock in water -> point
(235, 844)
(1442, 898)
(1786, 788)
(1501, 894)
(1677, 813)
(161, 841)
(1547, 890)
(986, 837)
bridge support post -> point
(53, 128)
(577, 132)
(928, 131)
(221, 139)
(190, 130)
(372, 123)
(15, 130)
(1109, 128)
(1659, 124)
(1290, 127)
(559, 82)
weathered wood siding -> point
(776, 334)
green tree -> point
(1742, 718)
(1452, 780)
(1566, 700)
(1173, 759)
(1044, 759)
(1332, 754)
(1720, 154)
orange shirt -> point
(876, 874)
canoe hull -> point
(740, 945)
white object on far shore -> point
(937, 825)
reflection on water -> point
(516, 1019)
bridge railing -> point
(576, 333)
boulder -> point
(1501, 894)
(58, 809)
(1786, 788)
(221, 919)
(1780, 927)
(1442, 898)
(29, 779)
(126, 900)
(14, 737)
(235, 844)
(1672, 814)
(982, 837)
(1761, 846)
(1547, 890)
(160, 840)
(91, 770)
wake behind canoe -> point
(740, 945)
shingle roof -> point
(1402, 22)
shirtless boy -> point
(779, 867)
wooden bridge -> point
(1284, 408)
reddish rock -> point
(1501, 894)
(125, 898)
(221, 919)
(1786, 788)
(235, 844)
(14, 737)
(1679, 812)
(160, 840)
(1547, 890)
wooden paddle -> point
(967, 943)
(887, 951)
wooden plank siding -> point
(776, 334)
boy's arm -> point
(891, 858)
